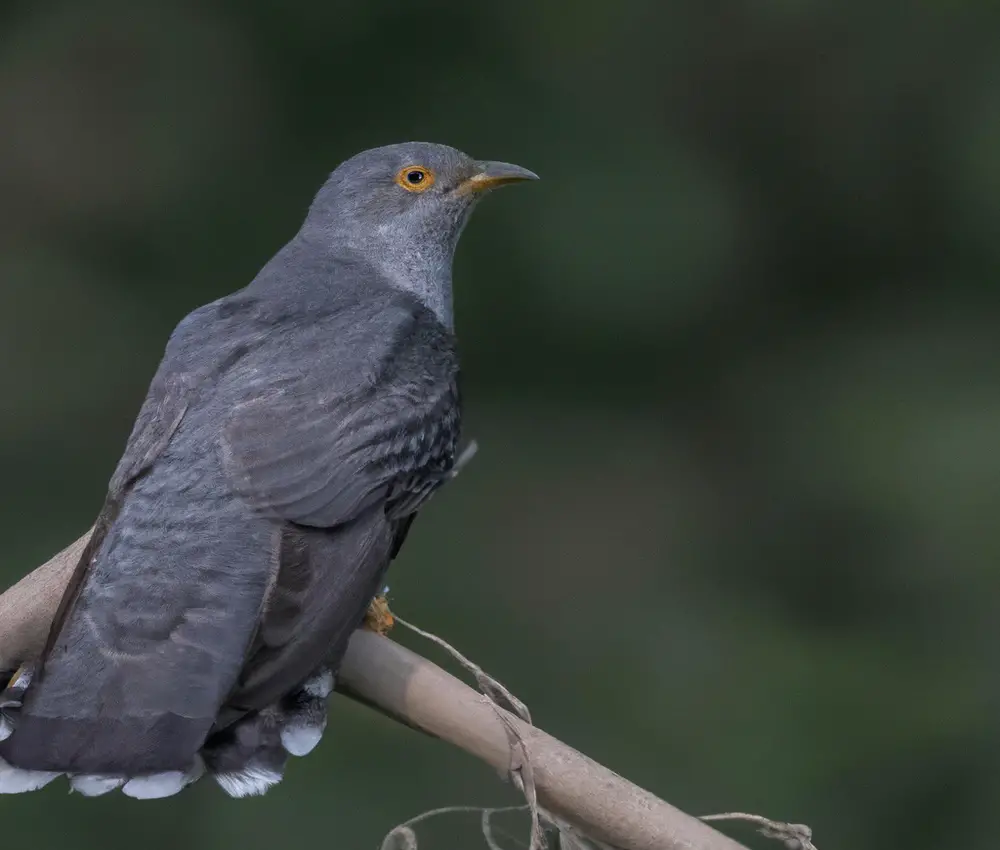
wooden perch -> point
(417, 692)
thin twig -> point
(796, 836)
(406, 833)
(520, 770)
(490, 686)
(486, 826)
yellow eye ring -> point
(415, 178)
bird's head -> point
(404, 207)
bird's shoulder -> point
(342, 313)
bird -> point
(289, 437)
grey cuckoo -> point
(289, 437)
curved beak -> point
(493, 174)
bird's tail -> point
(245, 759)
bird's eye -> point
(415, 178)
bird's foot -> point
(12, 695)
(379, 618)
(11, 698)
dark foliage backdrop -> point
(734, 365)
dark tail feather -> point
(250, 756)
(247, 758)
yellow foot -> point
(21, 678)
(379, 618)
(12, 694)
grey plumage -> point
(290, 435)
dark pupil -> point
(415, 176)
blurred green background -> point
(734, 366)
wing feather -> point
(320, 447)
(345, 464)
